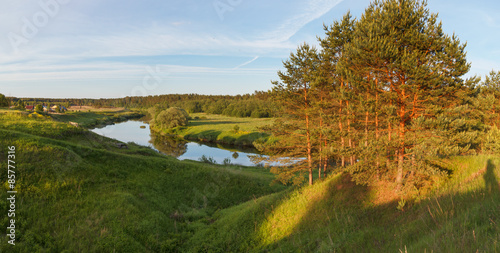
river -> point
(131, 131)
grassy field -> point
(78, 192)
(85, 108)
(462, 214)
(94, 118)
(221, 129)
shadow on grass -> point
(205, 136)
(490, 180)
(345, 220)
(211, 122)
(212, 136)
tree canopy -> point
(4, 102)
(170, 118)
(383, 97)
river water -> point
(131, 131)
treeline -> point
(383, 98)
(249, 105)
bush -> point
(38, 108)
(206, 159)
(20, 105)
(4, 102)
(172, 117)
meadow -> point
(79, 192)
(73, 184)
(223, 129)
(460, 214)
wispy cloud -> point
(246, 63)
(306, 12)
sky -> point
(118, 48)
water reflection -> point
(139, 132)
(169, 145)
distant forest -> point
(255, 105)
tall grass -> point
(460, 215)
(79, 192)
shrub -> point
(4, 102)
(20, 105)
(226, 161)
(206, 159)
(172, 117)
(38, 108)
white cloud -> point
(247, 62)
(306, 12)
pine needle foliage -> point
(383, 98)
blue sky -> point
(117, 48)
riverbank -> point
(98, 118)
(221, 129)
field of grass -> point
(78, 192)
(462, 214)
(85, 108)
(95, 118)
(221, 129)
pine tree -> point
(400, 55)
(298, 129)
(335, 109)
(490, 90)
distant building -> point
(30, 107)
(54, 108)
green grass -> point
(97, 118)
(78, 192)
(220, 129)
(462, 215)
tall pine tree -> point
(400, 54)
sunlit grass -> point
(79, 192)
(286, 217)
(221, 129)
(461, 214)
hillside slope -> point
(77, 191)
(462, 214)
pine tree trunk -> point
(388, 163)
(401, 152)
(326, 160)
(320, 147)
(309, 151)
(366, 129)
(377, 163)
(342, 144)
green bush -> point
(4, 102)
(39, 108)
(172, 117)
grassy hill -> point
(79, 192)
(462, 214)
